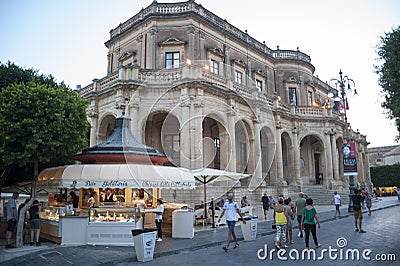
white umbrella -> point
(209, 175)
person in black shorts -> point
(265, 205)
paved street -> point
(381, 229)
(206, 247)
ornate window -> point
(214, 67)
(292, 96)
(238, 76)
(172, 60)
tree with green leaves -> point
(40, 122)
(389, 74)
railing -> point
(190, 6)
(160, 76)
(309, 111)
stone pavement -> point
(206, 247)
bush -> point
(386, 175)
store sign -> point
(118, 184)
(350, 159)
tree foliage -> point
(40, 120)
(389, 74)
(385, 175)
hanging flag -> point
(347, 105)
(336, 106)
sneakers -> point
(356, 230)
(225, 248)
(32, 243)
(362, 231)
(236, 245)
(159, 239)
(38, 243)
(318, 246)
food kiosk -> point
(122, 163)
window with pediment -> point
(238, 77)
(172, 60)
(172, 52)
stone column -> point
(93, 114)
(196, 133)
(185, 129)
(139, 54)
(190, 54)
(153, 44)
(202, 48)
(279, 160)
(232, 141)
(335, 159)
(257, 173)
(361, 174)
(328, 159)
(296, 155)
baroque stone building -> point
(209, 95)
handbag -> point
(273, 226)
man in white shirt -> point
(231, 208)
(159, 213)
(336, 200)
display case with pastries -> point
(52, 213)
(113, 215)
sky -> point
(66, 39)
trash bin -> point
(144, 241)
(249, 230)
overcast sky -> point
(66, 39)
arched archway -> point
(268, 148)
(162, 133)
(106, 128)
(214, 144)
(288, 159)
(244, 150)
(312, 159)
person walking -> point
(300, 204)
(34, 223)
(289, 225)
(357, 212)
(280, 218)
(310, 222)
(265, 205)
(338, 203)
(368, 202)
(231, 208)
(11, 218)
(159, 213)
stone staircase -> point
(321, 195)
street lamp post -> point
(342, 83)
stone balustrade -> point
(187, 7)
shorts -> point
(11, 225)
(357, 214)
(231, 225)
(35, 223)
(266, 208)
(337, 206)
(299, 218)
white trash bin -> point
(249, 230)
(144, 241)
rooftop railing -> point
(191, 7)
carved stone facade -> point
(209, 95)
